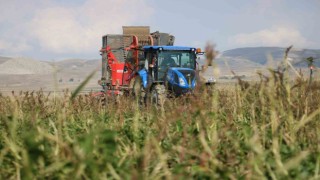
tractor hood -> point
(184, 78)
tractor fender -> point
(144, 76)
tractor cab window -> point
(174, 58)
(150, 63)
(187, 60)
(184, 59)
(167, 59)
(148, 60)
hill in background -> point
(248, 61)
(27, 73)
(3, 59)
(30, 74)
(24, 66)
(263, 55)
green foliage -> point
(260, 131)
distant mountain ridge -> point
(247, 59)
(262, 55)
(24, 66)
(4, 59)
(27, 73)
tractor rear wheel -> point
(158, 95)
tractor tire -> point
(158, 95)
(138, 90)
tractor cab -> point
(172, 66)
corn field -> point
(259, 130)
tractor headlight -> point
(182, 82)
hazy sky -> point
(57, 29)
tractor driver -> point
(168, 61)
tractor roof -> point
(181, 48)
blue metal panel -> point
(144, 76)
(172, 72)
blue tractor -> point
(164, 71)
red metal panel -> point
(119, 76)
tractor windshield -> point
(185, 59)
(175, 58)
